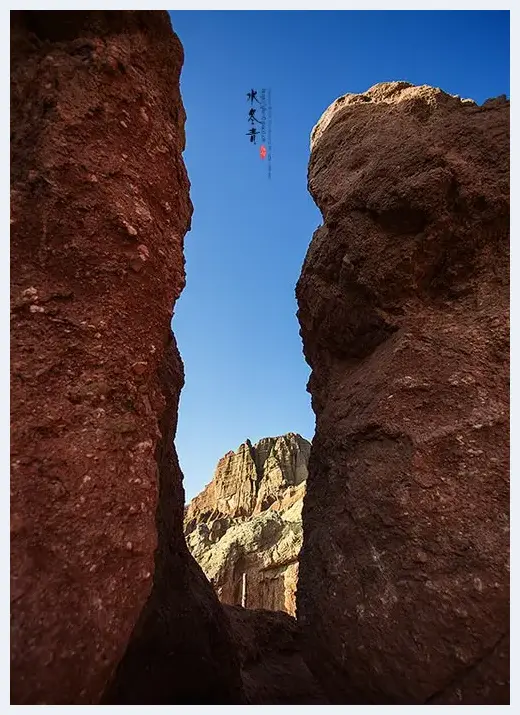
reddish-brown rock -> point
(403, 592)
(100, 207)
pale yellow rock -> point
(245, 527)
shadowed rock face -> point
(273, 670)
(245, 529)
(403, 591)
(100, 207)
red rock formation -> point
(100, 207)
(403, 302)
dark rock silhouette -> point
(269, 646)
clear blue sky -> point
(235, 322)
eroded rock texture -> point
(403, 302)
(245, 529)
(100, 207)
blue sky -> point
(235, 322)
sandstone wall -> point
(245, 529)
(403, 591)
(99, 210)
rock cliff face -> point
(403, 592)
(245, 528)
(100, 207)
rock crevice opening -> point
(403, 596)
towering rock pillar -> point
(403, 591)
(100, 207)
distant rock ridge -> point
(245, 527)
(251, 479)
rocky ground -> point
(270, 651)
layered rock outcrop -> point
(403, 591)
(100, 207)
(245, 529)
